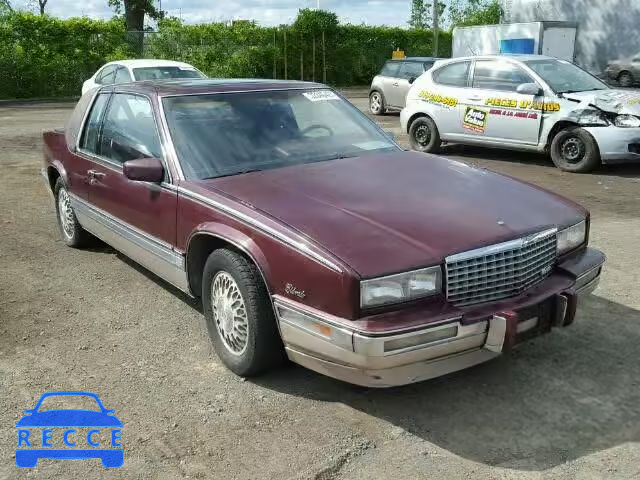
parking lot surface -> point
(564, 406)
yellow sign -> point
(438, 99)
(398, 54)
(525, 104)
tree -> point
(5, 7)
(474, 12)
(421, 13)
(134, 12)
(41, 5)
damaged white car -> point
(524, 102)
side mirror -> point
(411, 80)
(144, 170)
(529, 89)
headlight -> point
(572, 237)
(590, 116)
(401, 287)
(627, 121)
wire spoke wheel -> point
(65, 213)
(229, 313)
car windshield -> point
(218, 135)
(159, 73)
(69, 402)
(565, 77)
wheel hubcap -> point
(573, 149)
(423, 135)
(65, 212)
(229, 313)
(376, 104)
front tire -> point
(239, 315)
(626, 79)
(72, 232)
(377, 104)
(575, 150)
(424, 135)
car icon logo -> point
(69, 433)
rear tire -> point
(625, 79)
(575, 150)
(377, 105)
(239, 315)
(424, 135)
(72, 232)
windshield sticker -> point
(511, 113)
(372, 145)
(524, 104)
(437, 99)
(475, 119)
(321, 95)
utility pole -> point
(435, 28)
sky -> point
(265, 12)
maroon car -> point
(309, 234)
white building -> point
(607, 29)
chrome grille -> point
(500, 271)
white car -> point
(524, 102)
(125, 71)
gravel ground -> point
(564, 406)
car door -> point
(81, 160)
(137, 218)
(448, 84)
(388, 76)
(406, 75)
(493, 111)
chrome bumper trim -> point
(589, 287)
(386, 360)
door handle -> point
(474, 99)
(396, 84)
(95, 174)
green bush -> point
(41, 56)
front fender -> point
(239, 240)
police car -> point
(524, 102)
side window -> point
(498, 75)
(390, 69)
(129, 131)
(106, 76)
(428, 65)
(454, 74)
(122, 75)
(411, 70)
(91, 133)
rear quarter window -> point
(453, 74)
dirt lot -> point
(565, 406)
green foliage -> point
(464, 13)
(422, 13)
(49, 57)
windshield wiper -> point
(241, 172)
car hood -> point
(611, 100)
(387, 213)
(69, 418)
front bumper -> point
(372, 353)
(617, 145)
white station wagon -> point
(524, 102)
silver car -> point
(390, 87)
(524, 102)
(625, 71)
